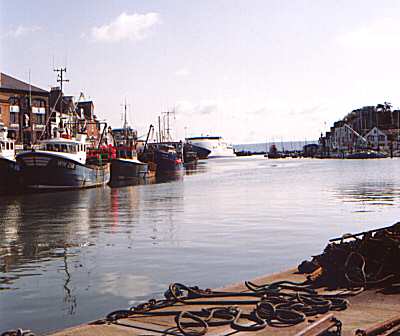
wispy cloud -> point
(21, 30)
(182, 72)
(308, 110)
(133, 27)
(202, 108)
(381, 33)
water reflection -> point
(133, 182)
(372, 193)
(38, 229)
(69, 297)
(70, 257)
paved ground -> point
(365, 310)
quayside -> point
(362, 298)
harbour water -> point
(70, 257)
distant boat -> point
(9, 170)
(215, 144)
(273, 153)
(60, 163)
(243, 153)
(366, 154)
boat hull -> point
(9, 176)
(217, 148)
(48, 171)
(366, 155)
(126, 170)
(167, 162)
(202, 153)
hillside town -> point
(373, 128)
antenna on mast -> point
(125, 105)
(61, 80)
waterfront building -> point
(85, 109)
(377, 139)
(24, 109)
(71, 114)
(374, 127)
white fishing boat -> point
(8, 166)
(215, 144)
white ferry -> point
(215, 144)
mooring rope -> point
(277, 304)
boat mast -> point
(125, 123)
(167, 114)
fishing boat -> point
(9, 170)
(215, 144)
(167, 158)
(61, 163)
(243, 153)
(273, 153)
(202, 153)
(190, 156)
(366, 154)
(125, 167)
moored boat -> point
(189, 154)
(167, 159)
(273, 153)
(60, 163)
(366, 154)
(9, 170)
(202, 153)
(126, 168)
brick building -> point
(24, 109)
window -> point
(14, 108)
(7, 145)
(39, 106)
(13, 117)
(381, 138)
(14, 102)
(40, 119)
(39, 110)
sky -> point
(250, 71)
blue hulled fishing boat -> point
(167, 159)
(60, 163)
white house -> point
(377, 138)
